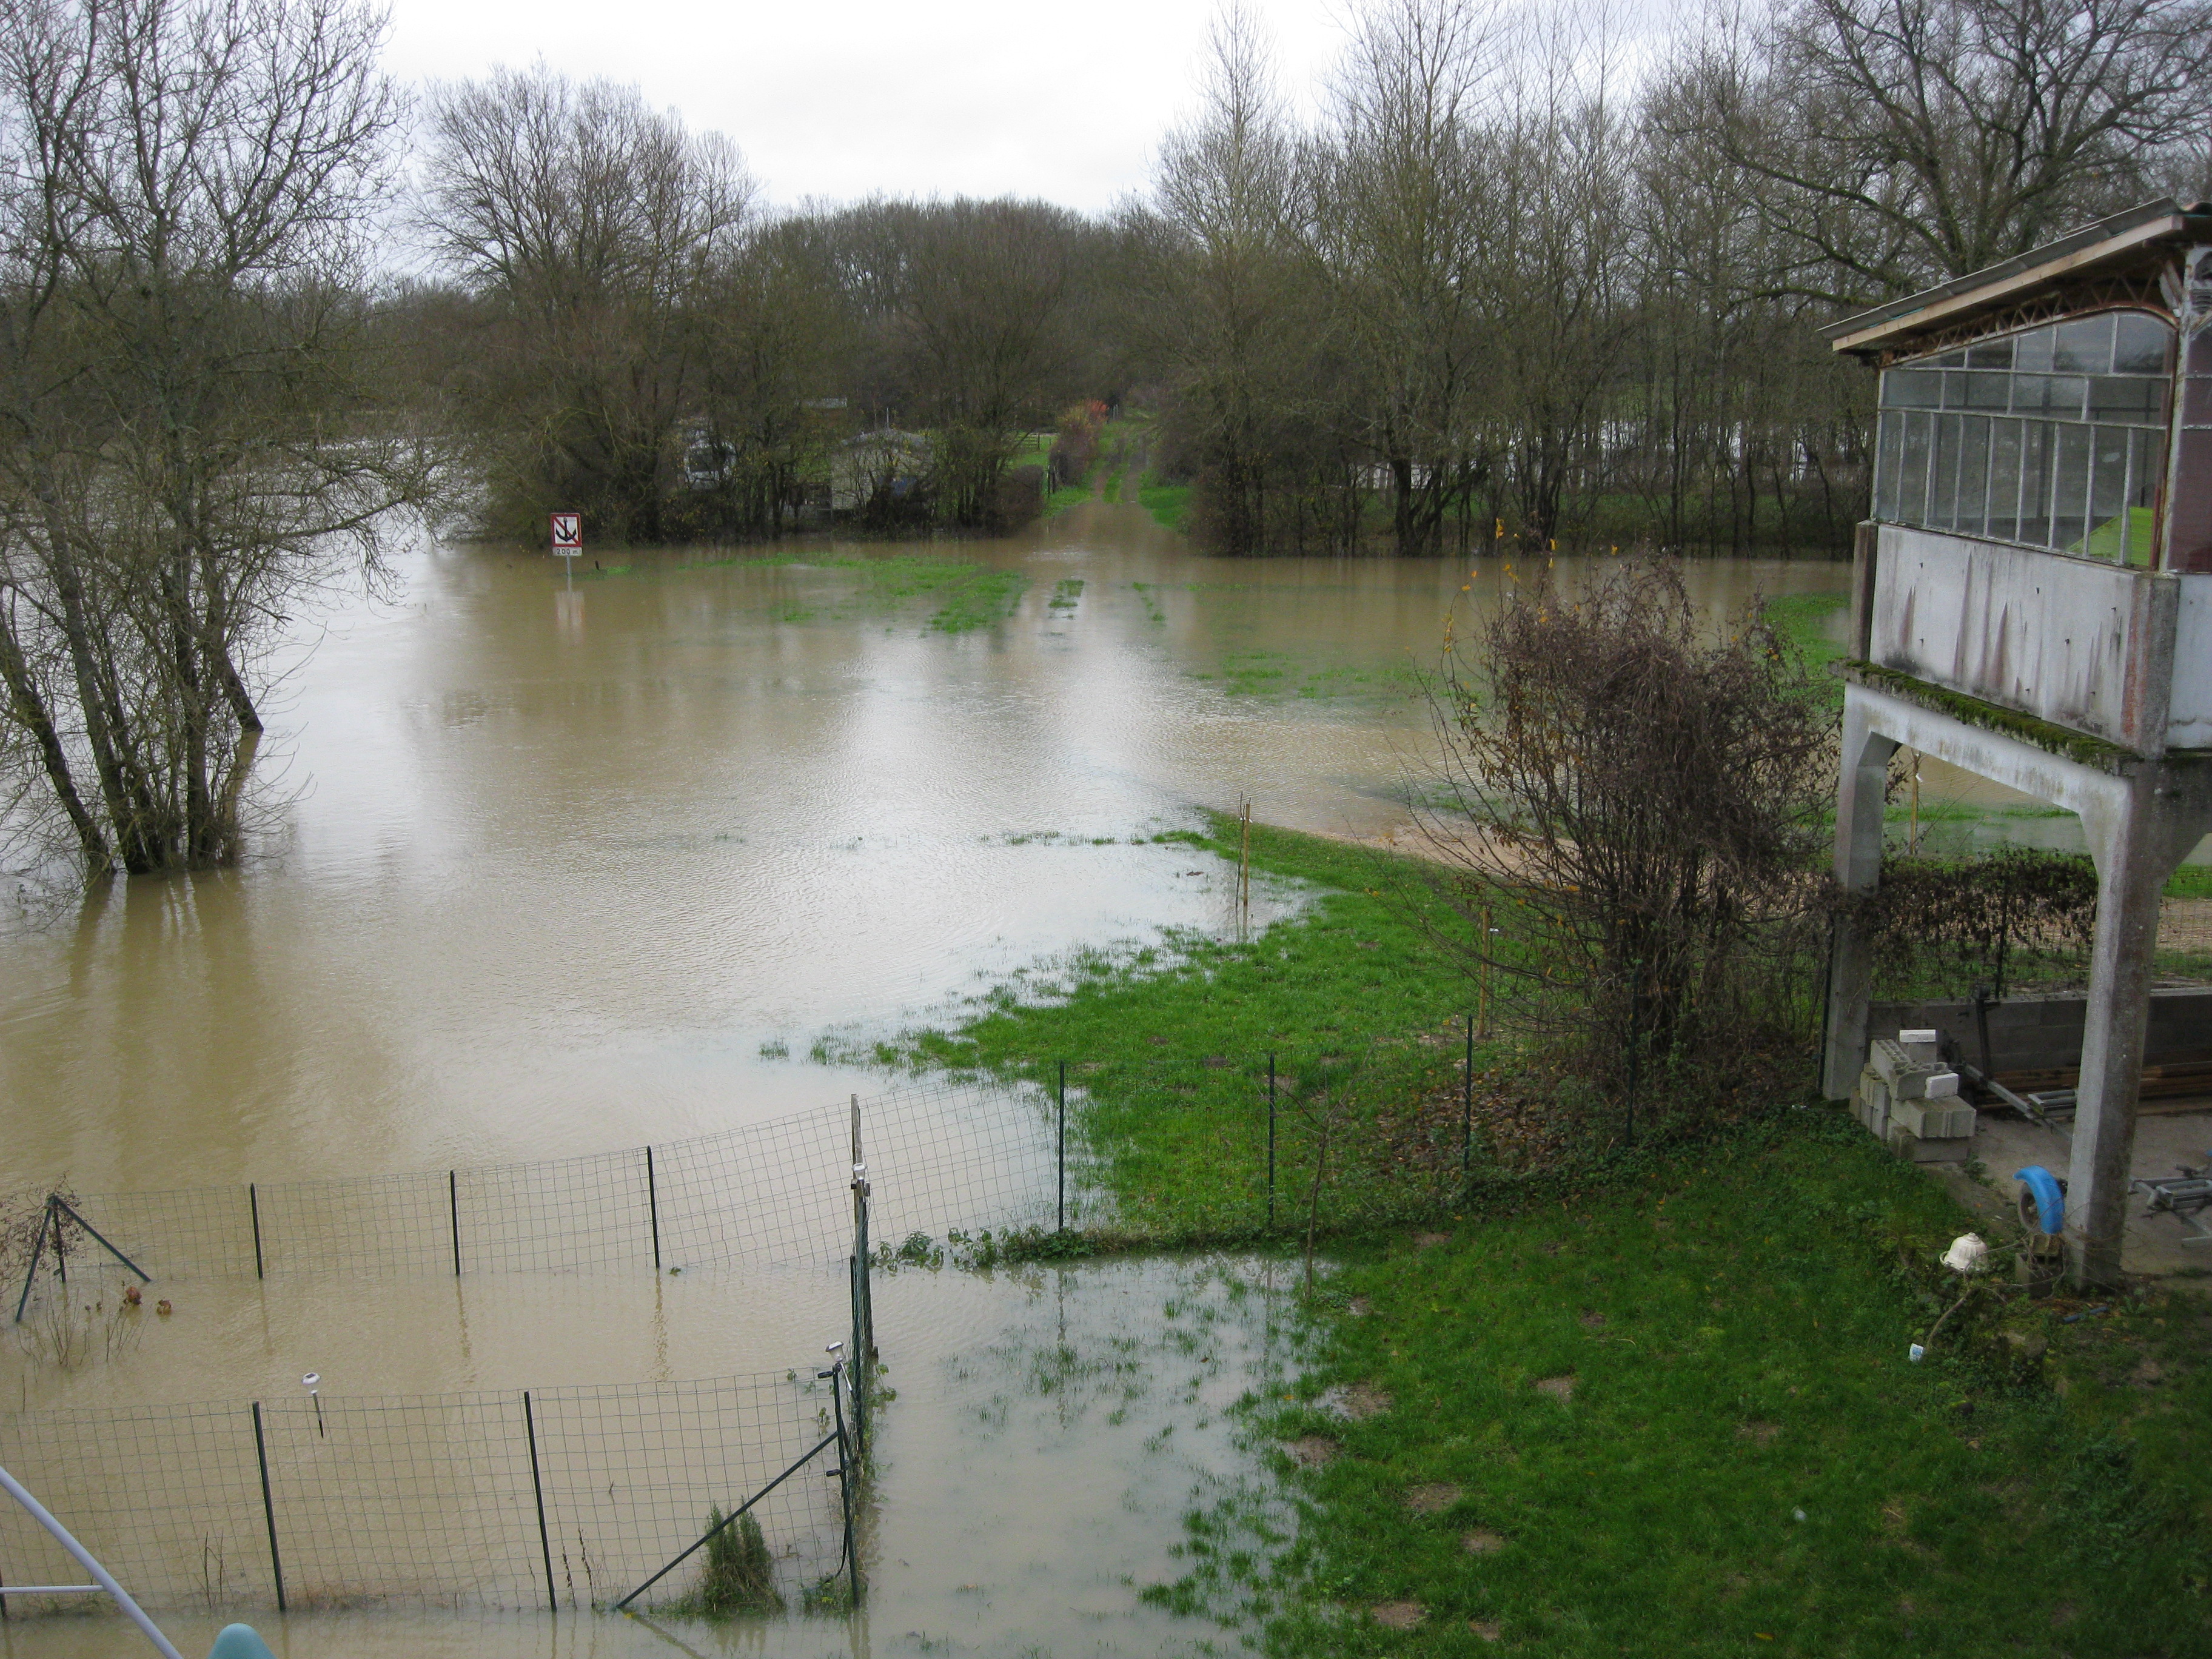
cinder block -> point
(1871, 1102)
(1922, 1046)
(1887, 1059)
(1934, 1120)
(1914, 1150)
(1941, 1086)
(1911, 1083)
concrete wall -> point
(2027, 1033)
(2078, 642)
(2191, 724)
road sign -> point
(567, 535)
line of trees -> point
(1491, 291)
(1496, 289)
(1495, 292)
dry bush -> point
(1639, 808)
(1944, 925)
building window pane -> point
(2070, 488)
(1990, 354)
(2035, 481)
(2108, 493)
(2145, 346)
(1911, 388)
(2145, 467)
(2140, 400)
(1943, 492)
(2084, 346)
(2033, 354)
(1889, 458)
(1913, 482)
(1973, 507)
(2004, 480)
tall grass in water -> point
(739, 1577)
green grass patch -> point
(2192, 881)
(1807, 621)
(1170, 1042)
(1275, 673)
(1719, 1329)
(1674, 1414)
(1166, 502)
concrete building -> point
(2033, 601)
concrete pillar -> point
(2137, 843)
(1860, 797)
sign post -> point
(568, 541)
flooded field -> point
(1049, 1429)
(546, 872)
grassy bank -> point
(1662, 1405)
(1673, 1414)
(1169, 1045)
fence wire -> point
(429, 1499)
(941, 1155)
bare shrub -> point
(1637, 807)
(1945, 925)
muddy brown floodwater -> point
(543, 873)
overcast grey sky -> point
(847, 98)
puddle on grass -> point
(1050, 1427)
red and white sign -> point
(567, 535)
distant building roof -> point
(2117, 260)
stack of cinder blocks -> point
(1909, 1100)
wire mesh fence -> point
(941, 1155)
(567, 1497)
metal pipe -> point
(61, 1536)
(538, 1491)
(38, 1250)
(100, 1238)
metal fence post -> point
(453, 1209)
(538, 1491)
(253, 1204)
(1063, 1145)
(38, 1250)
(267, 1507)
(1466, 1111)
(848, 1471)
(652, 1207)
(863, 1351)
(1271, 1143)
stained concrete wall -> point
(2190, 727)
(2079, 642)
(2030, 1032)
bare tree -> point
(1221, 293)
(184, 448)
(1893, 143)
(1403, 213)
(592, 225)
